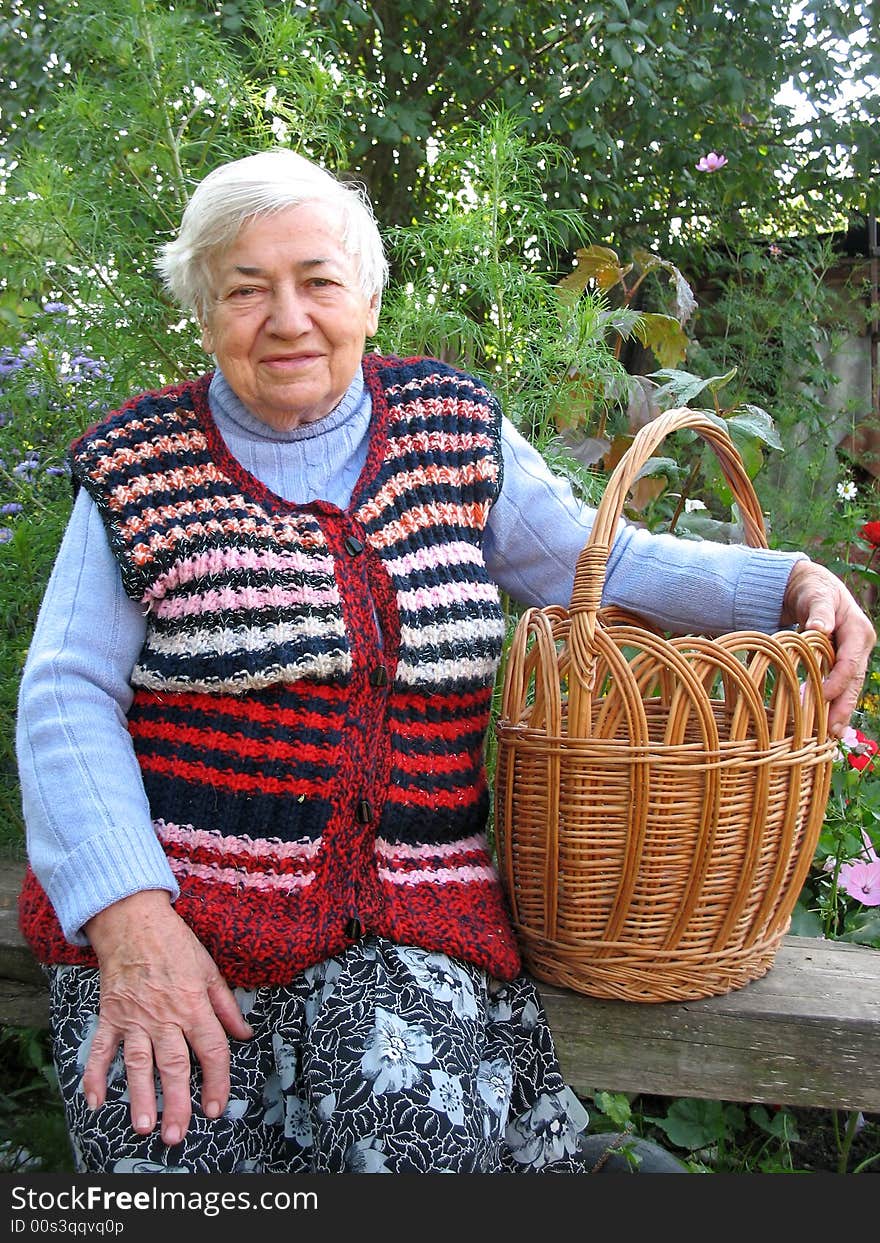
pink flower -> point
(711, 163)
(861, 877)
(861, 881)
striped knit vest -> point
(312, 697)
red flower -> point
(871, 532)
(862, 755)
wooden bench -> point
(806, 1034)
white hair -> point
(259, 185)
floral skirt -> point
(385, 1059)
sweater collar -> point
(224, 401)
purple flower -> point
(8, 364)
(55, 308)
(11, 507)
(5, 535)
(28, 465)
(56, 470)
(28, 351)
(711, 163)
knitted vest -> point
(312, 697)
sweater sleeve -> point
(90, 838)
(537, 528)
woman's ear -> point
(373, 315)
(207, 337)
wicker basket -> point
(657, 800)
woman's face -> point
(287, 320)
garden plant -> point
(568, 293)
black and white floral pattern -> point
(385, 1059)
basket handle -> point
(592, 563)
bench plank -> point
(807, 1033)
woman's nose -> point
(288, 315)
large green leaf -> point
(752, 423)
(679, 388)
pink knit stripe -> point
(281, 882)
(440, 876)
(448, 380)
(175, 443)
(422, 517)
(439, 441)
(457, 552)
(225, 598)
(448, 593)
(399, 850)
(145, 551)
(400, 484)
(180, 479)
(262, 848)
(219, 561)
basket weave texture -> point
(657, 800)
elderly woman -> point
(252, 719)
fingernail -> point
(144, 1123)
(212, 1109)
(172, 1136)
(92, 1101)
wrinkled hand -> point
(815, 599)
(161, 996)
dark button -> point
(379, 676)
(354, 928)
(352, 545)
(364, 813)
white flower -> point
(691, 504)
(279, 129)
(395, 1052)
(442, 978)
(847, 491)
(447, 1096)
(494, 1084)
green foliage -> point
(775, 320)
(110, 124)
(850, 833)
(33, 1134)
(472, 287)
(636, 91)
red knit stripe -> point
(458, 762)
(234, 744)
(411, 706)
(250, 863)
(471, 858)
(204, 774)
(434, 797)
(257, 710)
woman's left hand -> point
(815, 599)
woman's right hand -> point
(161, 996)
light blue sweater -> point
(90, 838)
